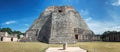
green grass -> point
(40, 47)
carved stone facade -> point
(5, 37)
(59, 24)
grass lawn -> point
(40, 47)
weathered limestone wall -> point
(44, 33)
(61, 30)
(6, 39)
(32, 35)
(96, 38)
(15, 39)
(57, 24)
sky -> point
(100, 15)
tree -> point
(11, 32)
(6, 30)
(18, 33)
(111, 36)
(0, 29)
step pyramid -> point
(58, 24)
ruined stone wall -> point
(32, 35)
(61, 30)
(96, 38)
(57, 24)
(5, 39)
(9, 39)
(15, 39)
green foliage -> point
(0, 28)
(11, 32)
(6, 30)
(108, 34)
(18, 33)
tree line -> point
(10, 32)
(113, 36)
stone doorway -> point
(12, 39)
(1, 38)
(59, 11)
(76, 36)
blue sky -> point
(100, 15)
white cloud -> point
(114, 14)
(88, 19)
(98, 27)
(26, 24)
(117, 3)
(9, 22)
(84, 12)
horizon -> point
(100, 15)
